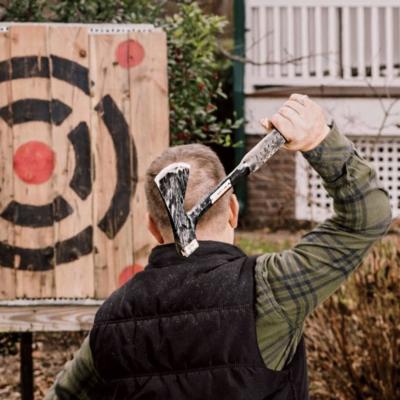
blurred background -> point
(230, 63)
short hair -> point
(206, 171)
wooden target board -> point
(83, 111)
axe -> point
(172, 182)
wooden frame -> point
(47, 315)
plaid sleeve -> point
(77, 378)
(290, 284)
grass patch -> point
(254, 246)
(259, 242)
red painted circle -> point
(34, 162)
(129, 53)
(128, 272)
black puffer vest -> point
(185, 329)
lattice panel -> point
(312, 200)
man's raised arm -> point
(292, 283)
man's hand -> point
(301, 121)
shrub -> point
(194, 67)
(353, 340)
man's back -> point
(185, 328)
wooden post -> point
(26, 367)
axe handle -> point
(251, 162)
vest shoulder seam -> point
(175, 314)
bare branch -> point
(245, 60)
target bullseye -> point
(34, 162)
(129, 54)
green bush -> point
(353, 339)
(194, 67)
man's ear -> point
(153, 229)
(233, 211)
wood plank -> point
(389, 42)
(47, 318)
(76, 277)
(277, 42)
(150, 125)
(346, 37)
(111, 88)
(318, 42)
(305, 43)
(7, 273)
(375, 50)
(333, 47)
(263, 40)
(361, 42)
(32, 41)
(290, 41)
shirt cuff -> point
(329, 158)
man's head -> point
(206, 171)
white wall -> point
(354, 116)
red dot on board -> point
(128, 272)
(129, 53)
(34, 162)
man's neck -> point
(228, 236)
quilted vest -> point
(185, 329)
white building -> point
(346, 55)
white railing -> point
(322, 42)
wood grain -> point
(111, 256)
(74, 278)
(32, 41)
(149, 125)
(48, 318)
(7, 275)
(137, 86)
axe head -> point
(172, 183)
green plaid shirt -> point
(290, 284)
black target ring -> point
(55, 112)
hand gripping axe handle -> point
(172, 182)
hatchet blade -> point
(172, 183)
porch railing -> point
(322, 42)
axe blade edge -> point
(171, 168)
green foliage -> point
(25, 10)
(194, 68)
(92, 11)
(262, 244)
(194, 73)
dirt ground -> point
(50, 352)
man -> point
(220, 325)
